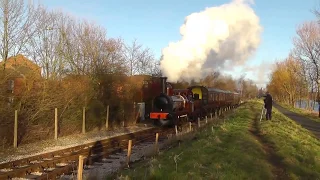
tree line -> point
(297, 77)
(245, 87)
(80, 67)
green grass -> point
(228, 151)
(298, 147)
(311, 115)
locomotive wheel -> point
(178, 122)
(183, 120)
(156, 122)
(194, 117)
(175, 121)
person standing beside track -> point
(268, 105)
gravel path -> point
(305, 122)
(27, 150)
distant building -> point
(13, 79)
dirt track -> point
(278, 170)
(305, 122)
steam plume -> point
(216, 38)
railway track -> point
(54, 165)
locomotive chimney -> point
(163, 82)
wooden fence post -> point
(135, 112)
(55, 123)
(129, 152)
(15, 135)
(190, 126)
(206, 120)
(198, 122)
(84, 120)
(156, 143)
(107, 118)
(80, 167)
(176, 128)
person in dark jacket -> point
(268, 105)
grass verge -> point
(299, 150)
(224, 151)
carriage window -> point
(196, 96)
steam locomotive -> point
(175, 106)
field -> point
(241, 147)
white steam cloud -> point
(217, 38)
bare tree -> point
(17, 27)
(140, 60)
(155, 70)
(241, 84)
(42, 48)
(307, 50)
(307, 46)
(210, 79)
(316, 12)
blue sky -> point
(156, 23)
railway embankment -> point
(298, 147)
(238, 147)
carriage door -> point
(205, 96)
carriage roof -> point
(219, 90)
(214, 90)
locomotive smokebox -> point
(163, 82)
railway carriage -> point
(209, 100)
